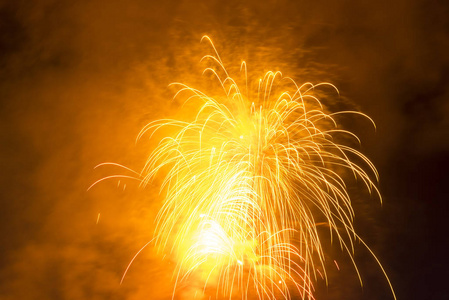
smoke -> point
(80, 79)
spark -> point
(336, 264)
(248, 182)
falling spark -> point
(98, 218)
(248, 182)
(336, 264)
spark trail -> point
(248, 182)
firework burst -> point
(248, 182)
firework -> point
(247, 183)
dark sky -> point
(78, 79)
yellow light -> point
(247, 181)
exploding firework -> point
(247, 183)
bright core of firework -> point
(247, 182)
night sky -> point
(79, 79)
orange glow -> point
(247, 182)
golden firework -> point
(248, 181)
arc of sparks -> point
(247, 182)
